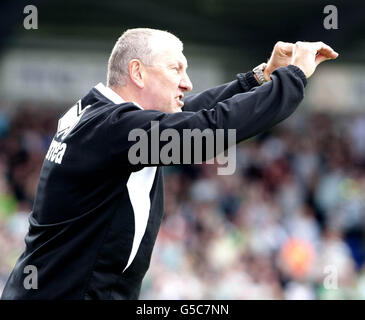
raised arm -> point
(249, 113)
(209, 98)
(281, 56)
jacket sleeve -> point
(248, 113)
(209, 98)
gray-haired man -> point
(96, 215)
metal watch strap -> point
(259, 72)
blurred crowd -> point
(289, 224)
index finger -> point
(325, 50)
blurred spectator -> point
(287, 225)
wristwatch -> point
(259, 71)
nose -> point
(185, 83)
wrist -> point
(257, 79)
(267, 74)
(260, 74)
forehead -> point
(171, 55)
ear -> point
(136, 72)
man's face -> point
(166, 81)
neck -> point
(128, 94)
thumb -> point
(320, 58)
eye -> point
(175, 67)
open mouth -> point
(179, 99)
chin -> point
(174, 109)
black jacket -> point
(96, 217)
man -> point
(96, 215)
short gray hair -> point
(138, 43)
